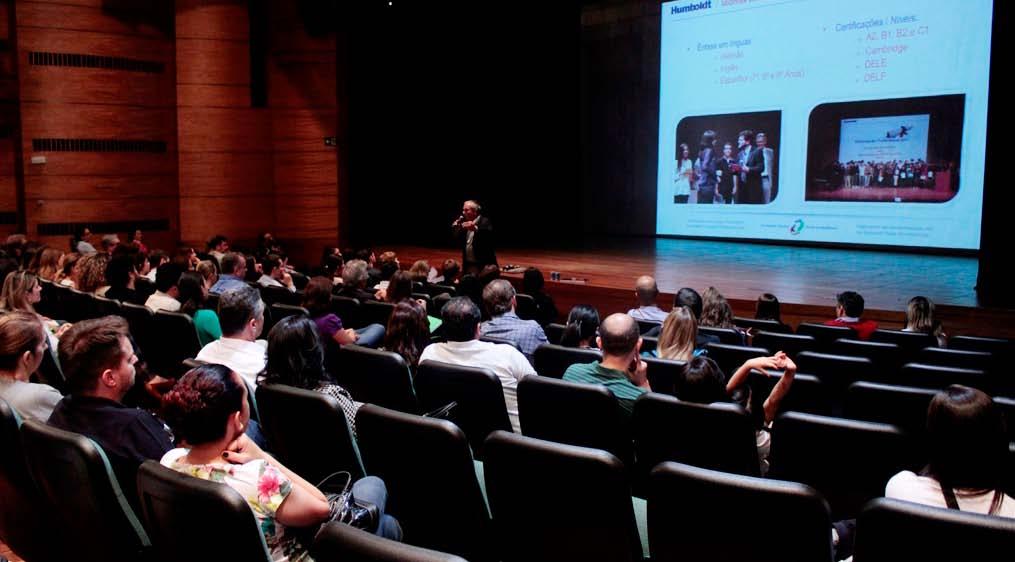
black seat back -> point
(910, 343)
(836, 372)
(438, 289)
(178, 341)
(731, 357)
(554, 332)
(23, 520)
(144, 287)
(77, 306)
(376, 312)
(308, 431)
(140, 319)
(825, 335)
(526, 306)
(885, 357)
(717, 436)
(278, 311)
(593, 416)
(279, 295)
(101, 306)
(187, 515)
(593, 516)
(978, 360)
(477, 392)
(903, 406)
(848, 461)
(935, 376)
(336, 542)
(552, 360)
(79, 486)
(426, 463)
(501, 341)
(645, 326)
(792, 344)
(806, 394)
(376, 377)
(774, 520)
(663, 374)
(762, 325)
(728, 336)
(892, 530)
(347, 310)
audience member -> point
(186, 258)
(646, 290)
(69, 269)
(193, 296)
(109, 243)
(399, 288)
(98, 363)
(768, 308)
(848, 312)
(137, 240)
(469, 286)
(79, 242)
(968, 448)
(420, 272)
(49, 264)
(678, 339)
(354, 281)
(499, 298)
(121, 276)
(209, 273)
(690, 298)
(253, 270)
(233, 273)
(241, 316)
(449, 273)
(22, 291)
(217, 248)
(274, 274)
(621, 369)
(167, 289)
(296, 358)
(461, 328)
(388, 265)
(317, 301)
(155, 259)
(488, 274)
(92, 274)
(716, 312)
(209, 412)
(408, 331)
(920, 318)
(582, 327)
(533, 285)
(23, 344)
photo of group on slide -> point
(735, 160)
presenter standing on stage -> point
(475, 234)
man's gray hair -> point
(237, 306)
(497, 296)
(354, 273)
(475, 205)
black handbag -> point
(345, 508)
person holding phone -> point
(621, 369)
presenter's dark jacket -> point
(726, 180)
(752, 173)
(482, 244)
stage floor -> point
(805, 280)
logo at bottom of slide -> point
(797, 227)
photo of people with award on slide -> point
(896, 150)
(728, 159)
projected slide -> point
(856, 122)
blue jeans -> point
(372, 489)
(370, 336)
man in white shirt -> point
(647, 291)
(461, 326)
(241, 315)
(166, 291)
(217, 247)
(274, 274)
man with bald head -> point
(647, 291)
(621, 370)
(475, 234)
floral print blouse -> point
(262, 485)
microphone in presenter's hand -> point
(459, 220)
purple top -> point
(327, 325)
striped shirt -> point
(616, 381)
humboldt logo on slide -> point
(692, 7)
(797, 227)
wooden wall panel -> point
(91, 103)
(225, 153)
(9, 112)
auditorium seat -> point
(718, 436)
(140, 320)
(791, 344)
(438, 289)
(902, 406)
(836, 372)
(25, 521)
(85, 500)
(910, 343)
(806, 394)
(554, 332)
(49, 371)
(848, 461)
(101, 306)
(823, 335)
(347, 310)
(48, 304)
(663, 374)
(376, 312)
(336, 542)
(934, 376)
(554, 502)
(891, 530)
(144, 287)
(552, 360)
(525, 306)
(177, 341)
(586, 415)
(76, 306)
(277, 312)
(187, 515)
(649, 343)
(425, 297)
(279, 295)
(376, 377)
(647, 326)
(477, 393)
(756, 325)
(308, 431)
(731, 357)
(886, 357)
(500, 341)
(728, 336)
(1000, 347)
(978, 360)
(701, 515)
(433, 489)
(439, 301)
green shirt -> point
(616, 381)
(206, 322)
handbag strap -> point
(949, 495)
(953, 503)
